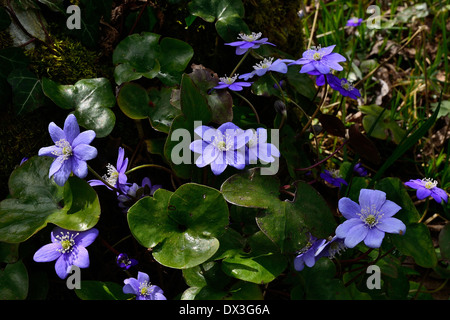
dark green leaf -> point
(14, 282)
(97, 290)
(27, 91)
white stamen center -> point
(429, 183)
(112, 176)
(223, 143)
(370, 216)
(67, 241)
(250, 37)
(229, 80)
(266, 63)
(66, 149)
(145, 288)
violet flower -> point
(142, 288)
(427, 187)
(307, 255)
(116, 176)
(320, 59)
(68, 248)
(333, 177)
(344, 87)
(354, 22)
(136, 192)
(258, 148)
(369, 220)
(71, 150)
(124, 262)
(261, 68)
(230, 83)
(248, 41)
(220, 147)
(360, 170)
(330, 248)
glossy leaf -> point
(14, 282)
(27, 91)
(182, 227)
(91, 100)
(37, 200)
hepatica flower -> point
(71, 150)
(307, 255)
(343, 86)
(427, 187)
(369, 220)
(220, 147)
(124, 262)
(333, 177)
(68, 248)
(230, 83)
(320, 59)
(330, 248)
(262, 67)
(360, 170)
(136, 192)
(258, 148)
(248, 41)
(142, 288)
(354, 22)
(115, 174)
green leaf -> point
(37, 200)
(98, 290)
(261, 265)
(444, 242)
(286, 223)
(417, 243)
(445, 108)
(91, 100)
(27, 91)
(227, 14)
(182, 227)
(142, 55)
(384, 127)
(133, 100)
(14, 282)
(12, 58)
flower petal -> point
(391, 225)
(423, 193)
(131, 286)
(143, 277)
(85, 152)
(349, 208)
(62, 266)
(71, 128)
(389, 208)
(55, 166)
(344, 228)
(440, 193)
(82, 258)
(49, 151)
(374, 238)
(63, 173)
(79, 168)
(356, 235)
(47, 253)
(371, 199)
(56, 133)
(84, 137)
(85, 238)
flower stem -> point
(249, 103)
(317, 109)
(239, 63)
(149, 165)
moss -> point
(65, 60)
(278, 21)
(5, 39)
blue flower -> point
(220, 147)
(330, 248)
(320, 59)
(369, 220)
(71, 150)
(142, 288)
(261, 68)
(344, 87)
(248, 41)
(360, 170)
(136, 192)
(333, 177)
(427, 187)
(230, 83)
(258, 148)
(308, 254)
(68, 248)
(116, 176)
(354, 22)
(124, 262)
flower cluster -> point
(230, 145)
(142, 288)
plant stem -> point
(149, 165)
(101, 179)
(317, 109)
(239, 63)
(249, 103)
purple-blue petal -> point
(47, 253)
